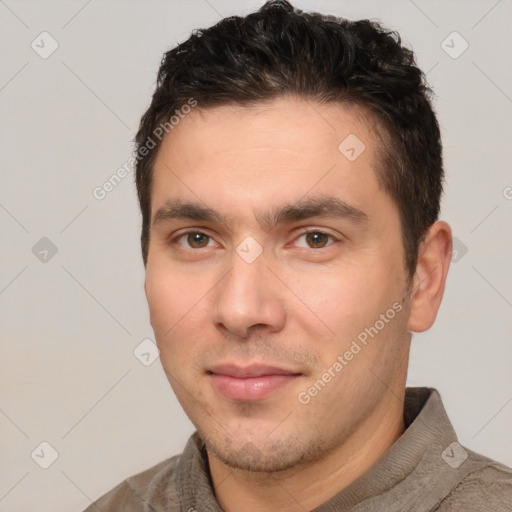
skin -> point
(297, 306)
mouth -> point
(249, 383)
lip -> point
(253, 370)
(249, 383)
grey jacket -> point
(425, 470)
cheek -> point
(342, 302)
(339, 301)
(162, 300)
(169, 299)
(171, 293)
(178, 306)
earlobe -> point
(146, 286)
(434, 257)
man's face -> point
(257, 292)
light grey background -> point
(69, 326)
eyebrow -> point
(286, 214)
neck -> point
(308, 486)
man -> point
(289, 174)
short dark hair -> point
(280, 51)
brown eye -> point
(316, 239)
(197, 240)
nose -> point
(249, 298)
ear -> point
(434, 256)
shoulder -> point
(143, 491)
(487, 487)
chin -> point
(263, 454)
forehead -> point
(285, 124)
(273, 153)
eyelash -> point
(316, 231)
